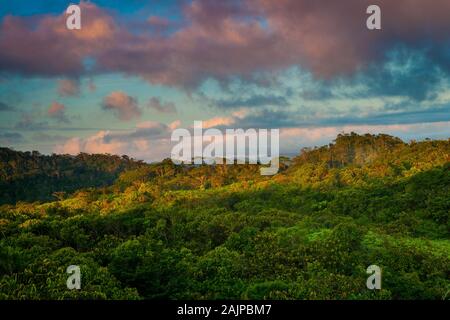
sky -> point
(138, 69)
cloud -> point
(122, 105)
(149, 141)
(211, 44)
(226, 39)
(157, 146)
(228, 121)
(68, 87)
(147, 129)
(42, 45)
(218, 122)
(261, 119)
(372, 112)
(158, 22)
(92, 144)
(175, 124)
(155, 104)
(57, 111)
(329, 37)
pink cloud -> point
(151, 140)
(225, 121)
(175, 124)
(222, 39)
(148, 141)
(93, 144)
(218, 121)
(43, 45)
(330, 37)
(71, 146)
(123, 106)
(58, 111)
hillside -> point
(31, 176)
(225, 232)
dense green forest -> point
(162, 231)
(30, 176)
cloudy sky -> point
(139, 68)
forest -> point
(166, 231)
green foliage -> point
(30, 176)
(161, 231)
